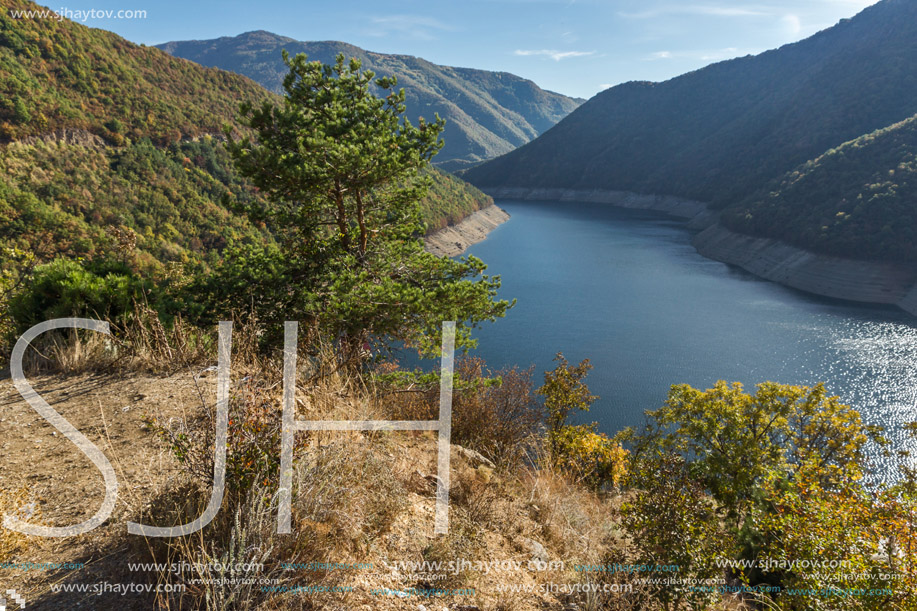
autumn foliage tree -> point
(781, 480)
(590, 457)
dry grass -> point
(575, 521)
(358, 496)
(143, 343)
(499, 420)
(346, 493)
(15, 502)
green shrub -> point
(64, 288)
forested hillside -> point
(720, 133)
(859, 199)
(58, 74)
(487, 113)
(108, 144)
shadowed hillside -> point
(719, 133)
(859, 198)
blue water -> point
(627, 290)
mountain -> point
(487, 113)
(721, 133)
(104, 137)
(58, 74)
(106, 145)
(857, 199)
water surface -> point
(627, 290)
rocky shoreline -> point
(676, 206)
(850, 279)
(863, 281)
(455, 239)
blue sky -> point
(576, 47)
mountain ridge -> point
(487, 113)
(720, 132)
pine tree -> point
(340, 167)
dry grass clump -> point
(14, 502)
(142, 343)
(146, 343)
(494, 413)
(478, 495)
(574, 521)
(346, 495)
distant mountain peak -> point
(262, 35)
(487, 113)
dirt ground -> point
(65, 488)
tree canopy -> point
(341, 170)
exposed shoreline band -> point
(850, 279)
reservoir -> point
(627, 290)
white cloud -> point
(703, 55)
(792, 23)
(553, 54)
(699, 9)
(414, 26)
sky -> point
(575, 47)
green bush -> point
(65, 287)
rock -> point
(206, 371)
(851, 279)
(539, 553)
(74, 137)
(474, 458)
(453, 240)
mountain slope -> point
(720, 133)
(857, 199)
(108, 145)
(487, 113)
(107, 138)
(57, 74)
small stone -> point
(474, 458)
(539, 553)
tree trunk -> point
(341, 214)
(364, 234)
